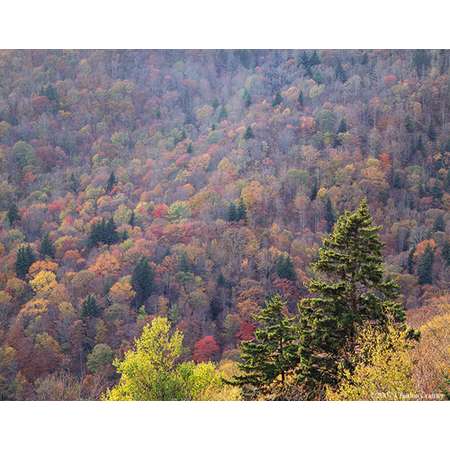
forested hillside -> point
(148, 191)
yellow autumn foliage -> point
(44, 283)
(382, 368)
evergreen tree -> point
(340, 73)
(232, 213)
(314, 60)
(47, 248)
(425, 266)
(431, 133)
(241, 212)
(439, 223)
(111, 182)
(221, 282)
(351, 291)
(436, 192)
(314, 189)
(300, 99)
(330, 216)
(74, 184)
(421, 61)
(111, 236)
(13, 215)
(419, 145)
(184, 264)
(50, 92)
(285, 268)
(132, 219)
(411, 261)
(304, 60)
(215, 103)
(337, 141)
(397, 180)
(89, 307)
(190, 148)
(104, 232)
(222, 114)
(409, 124)
(364, 59)
(96, 234)
(342, 126)
(24, 258)
(446, 253)
(247, 98)
(142, 282)
(248, 133)
(277, 100)
(272, 354)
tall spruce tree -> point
(314, 189)
(111, 236)
(420, 146)
(248, 133)
(447, 181)
(142, 282)
(247, 98)
(112, 180)
(439, 223)
(96, 234)
(350, 290)
(184, 265)
(132, 219)
(232, 213)
(409, 124)
(222, 114)
(340, 72)
(425, 266)
(241, 210)
(304, 60)
(13, 215)
(89, 307)
(410, 263)
(314, 60)
(272, 354)
(342, 126)
(300, 99)
(421, 61)
(277, 100)
(47, 249)
(431, 132)
(24, 258)
(285, 268)
(74, 184)
(446, 253)
(330, 216)
(104, 232)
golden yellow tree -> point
(432, 356)
(383, 368)
(44, 283)
(151, 370)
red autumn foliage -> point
(160, 210)
(205, 349)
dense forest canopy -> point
(143, 191)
